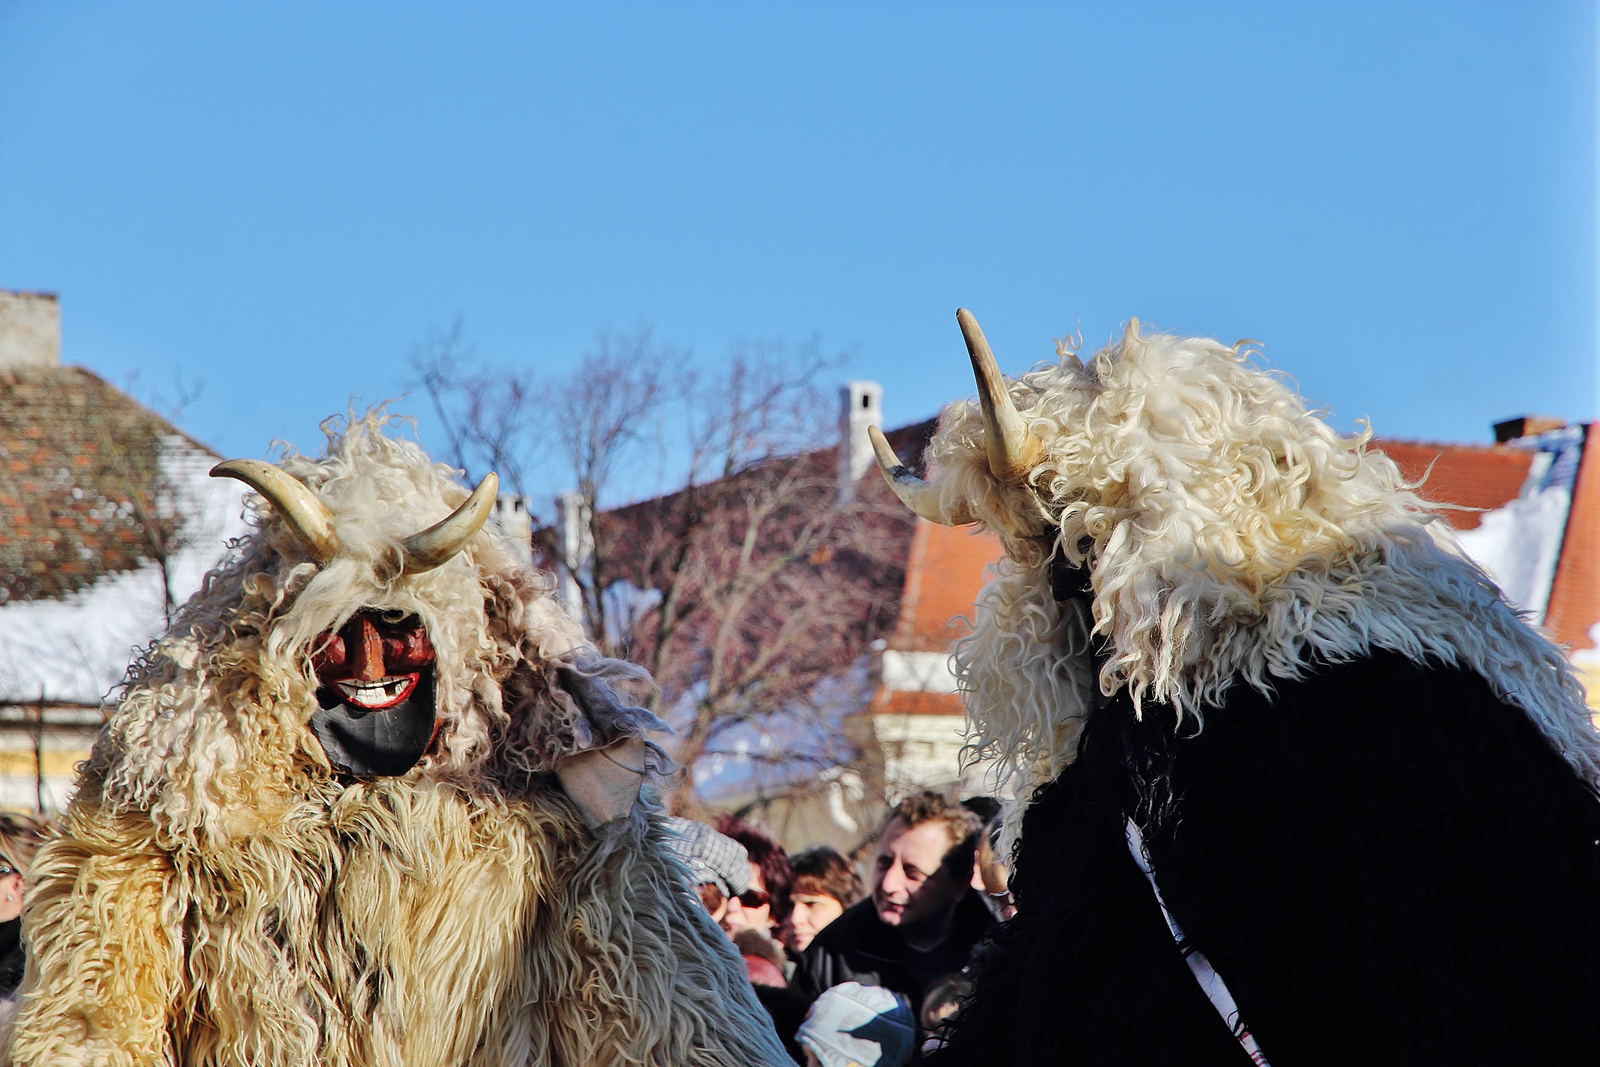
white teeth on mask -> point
(381, 693)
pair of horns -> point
(1011, 446)
(312, 522)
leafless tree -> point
(605, 414)
(489, 418)
(601, 416)
(745, 589)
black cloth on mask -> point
(1384, 862)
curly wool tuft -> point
(1230, 536)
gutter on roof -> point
(34, 713)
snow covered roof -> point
(1538, 531)
(107, 516)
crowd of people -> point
(856, 972)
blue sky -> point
(277, 201)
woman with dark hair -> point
(822, 887)
(765, 905)
(757, 921)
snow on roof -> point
(1519, 544)
(75, 649)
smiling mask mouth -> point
(380, 694)
(383, 739)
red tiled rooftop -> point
(943, 576)
(1472, 476)
(74, 454)
(903, 702)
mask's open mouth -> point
(375, 706)
(380, 694)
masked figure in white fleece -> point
(373, 800)
(1300, 786)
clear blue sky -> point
(278, 200)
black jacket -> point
(857, 947)
(12, 960)
(1385, 863)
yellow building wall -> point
(57, 762)
(1589, 675)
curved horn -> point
(914, 493)
(441, 541)
(307, 516)
(1013, 449)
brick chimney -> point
(1526, 426)
(861, 405)
(30, 329)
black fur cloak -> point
(1385, 863)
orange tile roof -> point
(1575, 593)
(943, 576)
(1473, 476)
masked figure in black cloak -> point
(1296, 784)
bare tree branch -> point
(746, 590)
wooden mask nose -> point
(365, 649)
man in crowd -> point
(823, 886)
(922, 919)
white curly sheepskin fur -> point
(218, 895)
(1230, 535)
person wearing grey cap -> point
(719, 865)
(720, 868)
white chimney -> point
(510, 516)
(861, 406)
(577, 551)
(30, 329)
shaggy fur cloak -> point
(1365, 786)
(219, 895)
